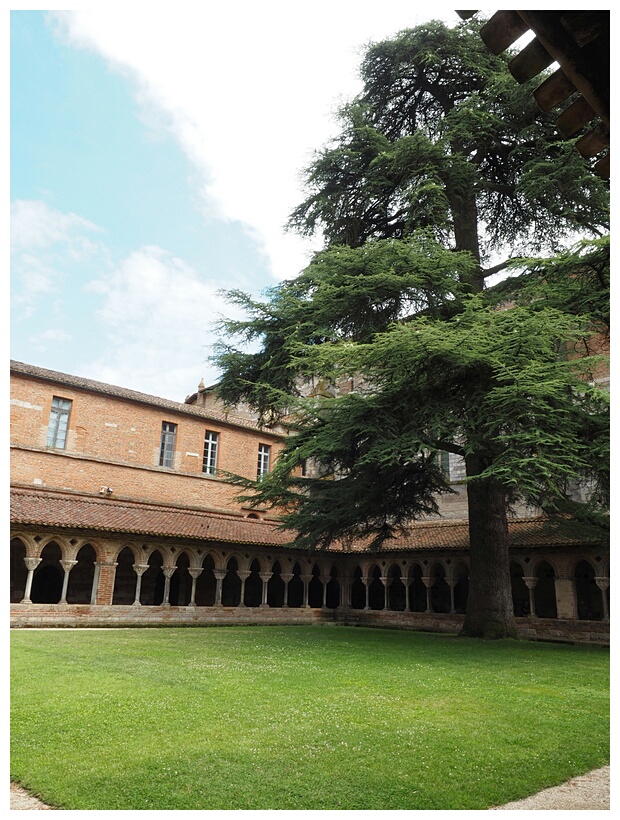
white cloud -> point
(35, 225)
(156, 317)
(248, 89)
(45, 245)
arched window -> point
(19, 573)
(48, 576)
(82, 577)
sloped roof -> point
(72, 511)
(66, 510)
(133, 395)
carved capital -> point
(32, 563)
(67, 565)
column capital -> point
(67, 564)
(32, 563)
(195, 572)
(168, 571)
(602, 582)
(140, 569)
(244, 574)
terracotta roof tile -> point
(64, 510)
(50, 509)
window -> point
(166, 449)
(264, 451)
(209, 459)
(59, 421)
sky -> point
(154, 161)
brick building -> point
(120, 514)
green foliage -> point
(493, 384)
(442, 161)
(260, 718)
(345, 294)
(442, 137)
(576, 281)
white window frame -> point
(209, 457)
(264, 459)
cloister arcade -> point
(51, 569)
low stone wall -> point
(82, 615)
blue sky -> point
(154, 161)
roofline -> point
(90, 385)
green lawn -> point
(319, 717)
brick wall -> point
(115, 442)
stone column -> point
(287, 578)
(451, 583)
(139, 569)
(428, 583)
(365, 580)
(244, 574)
(220, 574)
(67, 567)
(407, 583)
(31, 565)
(168, 573)
(305, 580)
(195, 574)
(530, 582)
(325, 579)
(95, 586)
(265, 576)
(565, 598)
(387, 583)
(603, 584)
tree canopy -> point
(441, 165)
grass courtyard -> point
(319, 717)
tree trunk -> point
(490, 612)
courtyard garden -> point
(295, 717)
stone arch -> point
(48, 576)
(231, 583)
(275, 586)
(315, 588)
(417, 589)
(253, 595)
(376, 589)
(544, 592)
(18, 571)
(333, 589)
(396, 592)
(440, 591)
(520, 592)
(589, 596)
(152, 589)
(296, 587)
(181, 581)
(125, 578)
(206, 583)
(358, 589)
(460, 576)
(80, 589)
